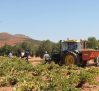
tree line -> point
(39, 50)
(33, 50)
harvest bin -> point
(88, 55)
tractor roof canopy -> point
(72, 41)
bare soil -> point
(85, 87)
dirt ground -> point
(85, 87)
(35, 60)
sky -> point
(52, 20)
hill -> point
(22, 36)
(17, 38)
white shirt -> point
(46, 56)
(10, 54)
(22, 54)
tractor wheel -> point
(71, 58)
(95, 60)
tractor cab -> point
(73, 45)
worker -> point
(27, 54)
(97, 64)
(46, 57)
(22, 54)
(10, 54)
(17, 54)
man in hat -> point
(46, 57)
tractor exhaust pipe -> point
(60, 44)
(60, 48)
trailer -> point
(89, 55)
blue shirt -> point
(27, 53)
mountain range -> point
(17, 38)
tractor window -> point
(64, 46)
(71, 46)
(79, 46)
(68, 46)
(75, 44)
